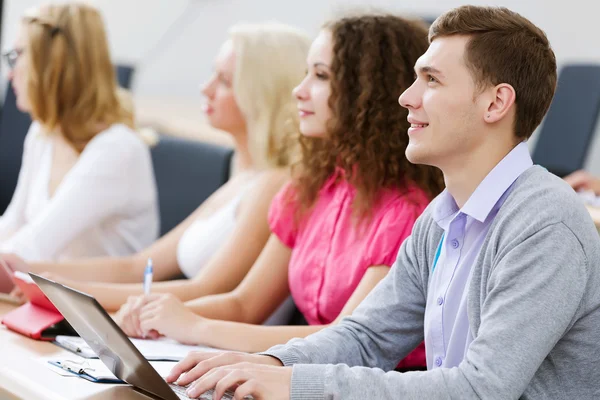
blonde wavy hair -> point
(71, 83)
(270, 62)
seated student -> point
(249, 97)
(86, 186)
(354, 198)
(501, 273)
(583, 181)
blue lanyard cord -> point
(437, 253)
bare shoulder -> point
(266, 186)
(273, 178)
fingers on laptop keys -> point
(208, 395)
(198, 363)
(201, 371)
(243, 380)
(182, 373)
(228, 395)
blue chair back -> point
(125, 75)
(14, 125)
(187, 172)
(569, 127)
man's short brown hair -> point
(505, 48)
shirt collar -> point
(490, 190)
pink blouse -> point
(330, 253)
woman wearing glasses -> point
(86, 185)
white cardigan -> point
(106, 205)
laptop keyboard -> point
(180, 392)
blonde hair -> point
(72, 86)
(270, 62)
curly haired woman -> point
(337, 226)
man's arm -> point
(533, 297)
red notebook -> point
(38, 318)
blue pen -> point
(148, 277)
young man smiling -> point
(501, 274)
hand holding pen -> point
(128, 316)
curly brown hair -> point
(372, 64)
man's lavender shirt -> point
(447, 331)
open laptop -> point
(110, 343)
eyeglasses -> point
(12, 56)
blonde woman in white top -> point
(249, 96)
(86, 185)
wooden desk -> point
(23, 374)
(595, 214)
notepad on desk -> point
(162, 349)
(95, 370)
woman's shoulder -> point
(117, 148)
(269, 180)
(35, 139)
(119, 141)
(118, 134)
(34, 133)
(265, 187)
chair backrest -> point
(569, 127)
(13, 128)
(14, 125)
(125, 75)
(187, 172)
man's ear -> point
(503, 98)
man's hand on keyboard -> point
(245, 379)
(247, 374)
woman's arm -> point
(230, 265)
(123, 269)
(111, 280)
(226, 268)
(260, 293)
(114, 269)
(255, 338)
(582, 180)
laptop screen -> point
(104, 336)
